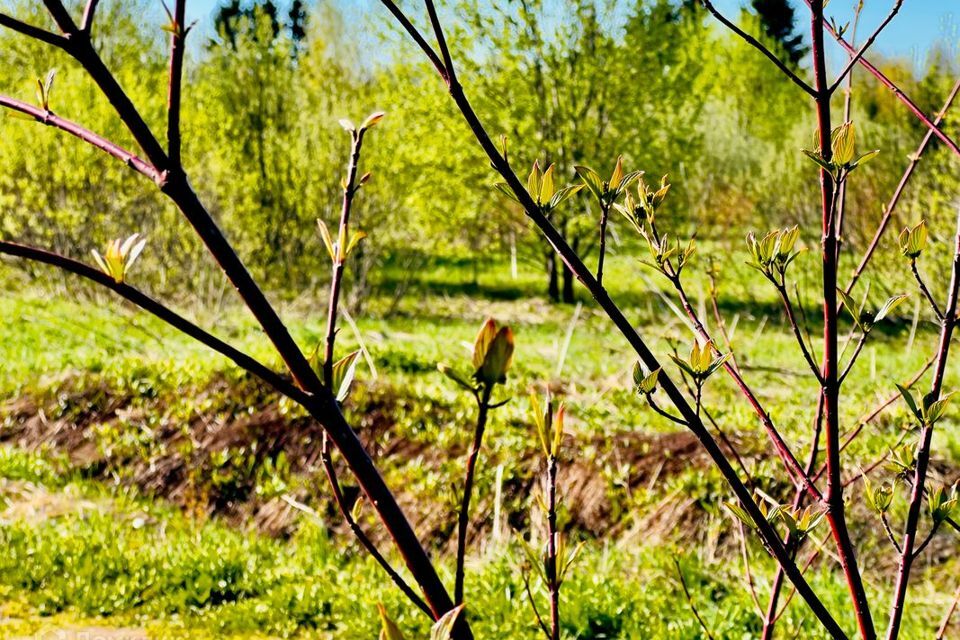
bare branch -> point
(756, 44)
(889, 532)
(790, 461)
(52, 120)
(797, 333)
(89, 12)
(363, 538)
(942, 630)
(693, 607)
(855, 58)
(32, 32)
(177, 46)
(416, 36)
(924, 290)
(926, 541)
(895, 198)
(158, 309)
(61, 16)
(451, 74)
(853, 358)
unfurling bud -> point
(913, 240)
(119, 257)
(492, 353)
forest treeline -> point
(569, 83)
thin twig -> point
(744, 553)
(890, 536)
(780, 446)
(942, 629)
(365, 541)
(924, 290)
(888, 211)
(52, 120)
(463, 517)
(155, 308)
(416, 36)
(756, 44)
(693, 607)
(855, 58)
(926, 541)
(792, 321)
(853, 358)
(451, 74)
(533, 604)
(89, 12)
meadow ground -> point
(147, 485)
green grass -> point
(132, 560)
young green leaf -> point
(443, 629)
(455, 376)
(911, 403)
(327, 241)
(344, 371)
(888, 306)
(389, 630)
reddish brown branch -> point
(923, 450)
(897, 91)
(830, 384)
(942, 629)
(855, 57)
(463, 516)
(89, 13)
(52, 120)
(789, 460)
(693, 607)
(901, 186)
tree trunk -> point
(553, 288)
(568, 296)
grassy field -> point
(145, 483)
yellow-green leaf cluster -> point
(119, 256)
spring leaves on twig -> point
(119, 257)
(542, 188)
(44, 88)
(492, 358)
(441, 630)
(913, 240)
(799, 522)
(865, 320)
(607, 192)
(842, 152)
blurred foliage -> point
(571, 83)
